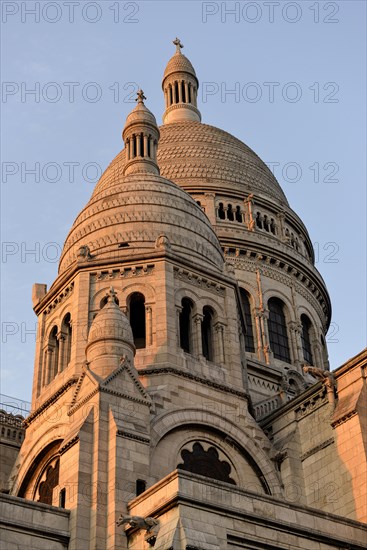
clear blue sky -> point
(299, 74)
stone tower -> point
(185, 308)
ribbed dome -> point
(138, 214)
(201, 157)
(179, 63)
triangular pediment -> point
(122, 382)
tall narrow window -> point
(306, 340)
(230, 215)
(186, 325)
(137, 319)
(207, 333)
(278, 330)
(249, 334)
(183, 92)
(54, 350)
(67, 330)
(221, 212)
(238, 214)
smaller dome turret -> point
(141, 137)
(110, 338)
(180, 86)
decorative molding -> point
(133, 436)
(69, 444)
(344, 418)
(318, 448)
(194, 378)
(123, 273)
(311, 405)
(125, 365)
(79, 404)
(285, 274)
(60, 298)
(197, 280)
(71, 382)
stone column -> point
(281, 218)
(296, 344)
(317, 353)
(128, 149)
(138, 146)
(49, 363)
(198, 345)
(186, 91)
(180, 92)
(145, 153)
(148, 325)
(210, 207)
(61, 359)
(262, 316)
(178, 313)
(249, 205)
(220, 358)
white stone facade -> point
(169, 380)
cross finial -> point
(177, 42)
(140, 96)
(111, 295)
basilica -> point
(182, 397)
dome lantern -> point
(141, 137)
(180, 86)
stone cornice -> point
(133, 436)
(172, 370)
(260, 514)
(344, 418)
(69, 444)
(317, 448)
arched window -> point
(67, 332)
(221, 212)
(272, 226)
(238, 214)
(278, 330)
(207, 333)
(52, 355)
(306, 340)
(50, 480)
(186, 325)
(206, 463)
(230, 215)
(266, 223)
(249, 334)
(183, 92)
(137, 319)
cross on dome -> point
(111, 295)
(140, 96)
(177, 42)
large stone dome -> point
(128, 216)
(200, 157)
